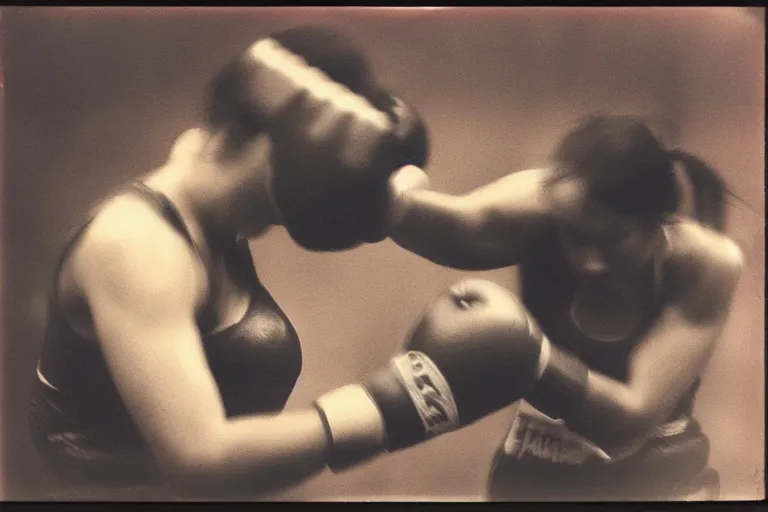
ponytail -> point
(709, 189)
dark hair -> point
(627, 170)
(228, 107)
(709, 189)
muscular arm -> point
(669, 360)
(485, 229)
(142, 291)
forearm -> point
(593, 405)
(661, 371)
(259, 454)
(441, 228)
(609, 415)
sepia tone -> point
(96, 96)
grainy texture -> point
(93, 98)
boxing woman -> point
(164, 354)
(627, 271)
(167, 364)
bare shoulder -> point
(523, 178)
(702, 247)
(536, 184)
(128, 240)
(537, 176)
(705, 266)
(535, 172)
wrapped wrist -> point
(415, 400)
(562, 386)
(353, 425)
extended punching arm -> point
(472, 353)
(333, 149)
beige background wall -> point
(95, 97)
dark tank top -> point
(539, 462)
(255, 363)
(548, 291)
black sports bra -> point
(255, 362)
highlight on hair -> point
(627, 170)
(228, 107)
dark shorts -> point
(86, 464)
(664, 469)
(103, 466)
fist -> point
(332, 152)
(485, 344)
(474, 351)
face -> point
(598, 243)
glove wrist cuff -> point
(353, 425)
(415, 399)
(562, 384)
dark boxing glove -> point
(411, 148)
(474, 351)
(409, 128)
(332, 150)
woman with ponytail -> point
(626, 269)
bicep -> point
(617, 414)
(678, 347)
(142, 303)
(161, 373)
(502, 219)
(516, 197)
(668, 362)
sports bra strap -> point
(167, 209)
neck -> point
(226, 199)
(218, 209)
